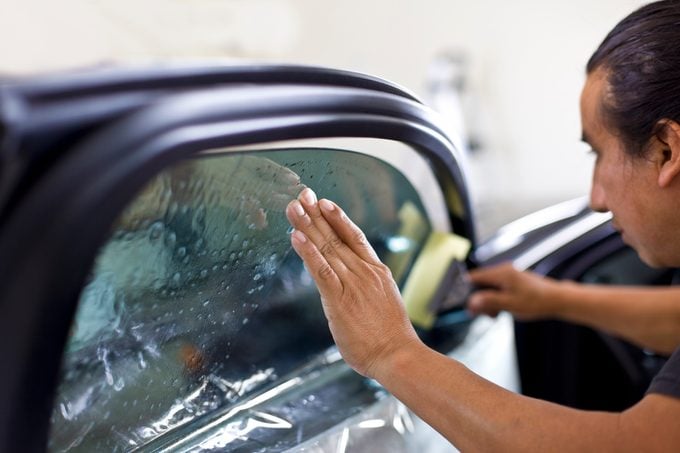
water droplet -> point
(245, 321)
(182, 252)
(156, 231)
(66, 410)
(257, 277)
(290, 230)
(206, 303)
(199, 218)
(204, 273)
(142, 362)
(172, 209)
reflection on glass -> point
(197, 301)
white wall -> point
(526, 60)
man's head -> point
(630, 113)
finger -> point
(348, 231)
(301, 221)
(487, 302)
(494, 276)
(325, 276)
(324, 236)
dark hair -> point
(641, 59)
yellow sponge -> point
(427, 273)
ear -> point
(667, 152)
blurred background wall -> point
(513, 68)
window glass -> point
(197, 300)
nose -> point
(597, 198)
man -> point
(630, 113)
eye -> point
(595, 153)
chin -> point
(655, 261)
(651, 263)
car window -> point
(197, 301)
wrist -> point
(400, 358)
(561, 295)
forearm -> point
(649, 317)
(477, 415)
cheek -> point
(603, 183)
(616, 180)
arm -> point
(476, 415)
(649, 317)
(373, 333)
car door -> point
(149, 294)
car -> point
(150, 297)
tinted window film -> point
(197, 300)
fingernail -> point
(299, 236)
(299, 210)
(326, 205)
(309, 196)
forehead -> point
(592, 124)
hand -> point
(360, 299)
(524, 294)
